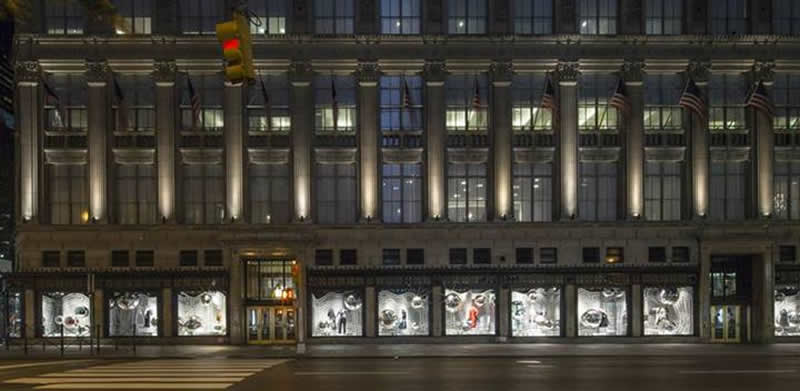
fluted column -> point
(97, 74)
(29, 107)
(435, 73)
(234, 150)
(633, 74)
(164, 73)
(568, 138)
(302, 126)
(764, 145)
(367, 75)
(501, 144)
(699, 72)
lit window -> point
(65, 18)
(335, 93)
(137, 15)
(527, 112)
(597, 17)
(664, 17)
(467, 103)
(533, 191)
(400, 16)
(466, 192)
(402, 193)
(466, 16)
(594, 112)
(270, 16)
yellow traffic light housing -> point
(237, 48)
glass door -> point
(267, 325)
(726, 321)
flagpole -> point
(539, 108)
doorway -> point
(268, 325)
(727, 323)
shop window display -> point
(70, 310)
(201, 313)
(133, 314)
(13, 314)
(337, 314)
(536, 312)
(403, 312)
(668, 310)
(787, 311)
(602, 311)
(470, 312)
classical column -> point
(764, 145)
(302, 126)
(164, 73)
(435, 73)
(501, 143)
(699, 72)
(568, 138)
(633, 74)
(29, 107)
(367, 75)
(97, 74)
(234, 150)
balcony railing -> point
(402, 140)
(730, 138)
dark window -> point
(597, 16)
(591, 254)
(120, 258)
(145, 258)
(787, 253)
(680, 254)
(334, 16)
(525, 255)
(548, 255)
(786, 17)
(391, 256)
(188, 258)
(51, 258)
(458, 256)
(199, 16)
(323, 257)
(728, 16)
(400, 16)
(415, 256)
(482, 256)
(348, 257)
(213, 257)
(533, 16)
(76, 258)
(656, 254)
(615, 255)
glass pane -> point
(470, 312)
(668, 310)
(403, 312)
(337, 314)
(536, 312)
(201, 313)
(602, 311)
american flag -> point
(334, 104)
(620, 98)
(267, 104)
(759, 99)
(54, 100)
(549, 98)
(122, 107)
(406, 95)
(692, 99)
(476, 97)
(195, 100)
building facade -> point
(409, 170)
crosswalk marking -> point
(199, 374)
(37, 364)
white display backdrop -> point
(668, 310)
(403, 312)
(130, 312)
(470, 312)
(787, 311)
(337, 314)
(536, 312)
(602, 311)
(72, 310)
(202, 313)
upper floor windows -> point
(335, 104)
(65, 17)
(268, 106)
(594, 112)
(336, 193)
(271, 16)
(787, 190)
(68, 193)
(597, 192)
(597, 16)
(661, 111)
(400, 16)
(66, 109)
(466, 16)
(201, 103)
(533, 16)
(728, 16)
(137, 15)
(203, 193)
(402, 193)
(137, 93)
(200, 16)
(467, 103)
(786, 17)
(787, 102)
(466, 192)
(334, 16)
(727, 95)
(527, 111)
(664, 17)
(401, 103)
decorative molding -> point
(66, 156)
(787, 154)
(97, 72)
(467, 156)
(567, 72)
(501, 72)
(134, 156)
(263, 156)
(534, 155)
(300, 73)
(632, 71)
(27, 71)
(367, 73)
(598, 155)
(731, 154)
(763, 71)
(435, 71)
(197, 156)
(664, 154)
(335, 155)
(402, 155)
(699, 70)
(165, 72)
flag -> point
(406, 95)
(122, 107)
(759, 100)
(53, 99)
(195, 101)
(334, 104)
(549, 98)
(620, 98)
(692, 99)
(476, 97)
(267, 104)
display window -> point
(668, 310)
(787, 311)
(202, 313)
(13, 315)
(71, 312)
(536, 312)
(338, 313)
(403, 312)
(133, 314)
(470, 312)
(602, 311)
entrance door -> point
(726, 321)
(270, 325)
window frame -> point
(466, 180)
(661, 178)
(598, 196)
(346, 105)
(661, 18)
(786, 179)
(410, 210)
(611, 20)
(534, 19)
(267, 182)
(728, 19)
(209, 87)
(533, 175)
(669, 112)
(206, 179)
(77, 208)
(197, 22)
(466, 90)
(336, 204)
(65, 16)
(594, 97)
(732, 110)
(145, 199)
(269, 6)
(470, 19)
(792, 20)
(145, 7)
(540, 120)
(340, 26)
(384, 18)
(726, 200)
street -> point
(729, 372)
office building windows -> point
(73, 96)
(786, 17)
(533, 16)
(727, 96)
(728, 16)
(334, 16)
(402, 193)
(594, 112)
(466, 192)
(786, 201)
(400, 16)
(270, 15)
(664, 17)
(597, 17)
(401, 104)
(334, 93)
(597, 194)
(138, 94)
(65, 17)
(209, 89)
(662, 191)
(136, 194)
(467, 103)
(527, 112)
(466, 16)
(727, 190)
(200, 16)
(203, 193)
(68, 193)
(661, 96)
(533, 191)
(336, 193)
(271, 116)
(786, 94)
(269, 194)
(137, 15)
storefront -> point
(270, 294)
(787, 304)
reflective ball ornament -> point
(205, 298)
(669, 296)
(614, 293)
(533, 295)
(388, 318)
(352, 302)
(59, 320)
(193, 323)
(592, 318)
(417, 302)
(127, 302)
(479, 301)
(779, 297)
(452, 301)
(82, 311)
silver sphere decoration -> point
(59, 320)
(452, 301)
(205, 298)
(669, 296)
(479, 301)
(82, 311)
(388, 318)
(352, 302)
(127, 302)
(417, 302)
(592, 318)
(615, 293)
(533, 294)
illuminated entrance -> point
(271, 291)
(271, 325)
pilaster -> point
(97, 76)
(29, 107)
(368, 74)
(164, 74)
(435, 73)
(567, 74)
(699, 71)
(234, 151)
(302, 97)
(764, 140)
(633, 74)
(501, 73)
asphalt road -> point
(730, 372)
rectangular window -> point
(269, 195)
(213, 257)
(786, 92)
(136, 194)
(664, 17)
(391, 256)
(591, 255)
(787, 254)
(533, 16)
(401, 104)
(270, 16)
(72, 91)
(400, 16)
(145, 258)
(533, 191)
(334, 93)
(76, 258)
(132, 313)
(594, 112)
(271, 116)
(661, 110)
(188, 258)
(727, 95)
(348, 257)
(729, 16)
(662, 191)
(402, 193)
(603, 311)
(210, 92)
(466, 188)
(334, 16)
(336, 193)
(786, 201)
(139, 97)
(120, 258)
(415, 256)
(680, 254)
(677, 301)
(548, 255)
(528, 115)
(786, 17)
(203, 194)
(482, 256)
(727, 190)
(51, 258)
(597, 17)
(458, 256)
(525, 255)
(615, 255)
(323, 257)
(466, 16)
(467, 103)
(68, 194)
(136, 14)
(65, 17)
(199, 16)
(597, 194)
(207, 308)
(657, 254)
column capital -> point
(435, 72)
(632, 72)
(567, 72)
(763, 71)
(501, 72)
(97, 72)
(27, 72)
(699, 71)
(164, 72)
(300, 73)
(367, 73)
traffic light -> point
(237, 48)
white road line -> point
(135, 386)
(352, 373)
(167, 370)
(36, 364)
(734, 371)
(541, 366)
(111, 374)
(55, 380)
(529, 362)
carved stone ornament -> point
(300, 71)
(27, 71)
(699, 71)
(567, 72)
(367, 72)
(633, 71)
(764, 71)
(97, 71)
(164, 71)
(435, 70)
(501, 71)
